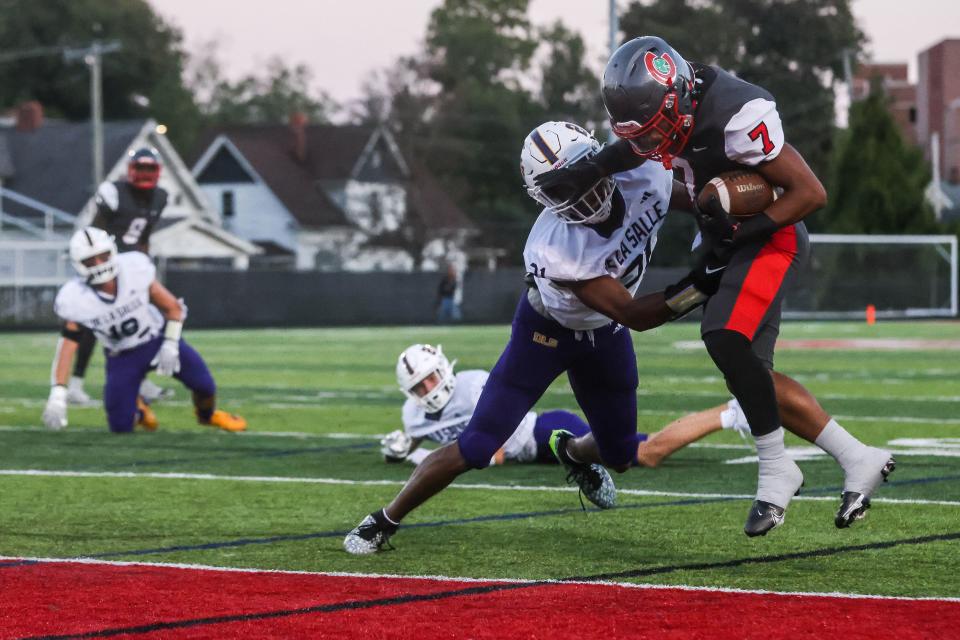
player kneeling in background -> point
(139, 322)
(440, 404)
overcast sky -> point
(343, 40)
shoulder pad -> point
(108, 196)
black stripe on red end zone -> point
(96, 601)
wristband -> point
(683, 297)
(758, 227)
(173, 330)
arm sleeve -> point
(616, 157)
(754, 134)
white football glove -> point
(395, 446)
(55, 413)
(733, 418)
(167, 360)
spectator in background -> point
(448, 297)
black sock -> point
(747, 377)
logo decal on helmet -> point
(544, 148)
(661, 68)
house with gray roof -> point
(47, 188)
(336, 197)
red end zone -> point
(64, 599)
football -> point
(742, 193)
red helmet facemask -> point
(662, 137)
(143, 175)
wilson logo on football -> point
(661, 68)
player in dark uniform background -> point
(128, 210)
(703, 121)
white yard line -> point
(440, 578)
(52, 473)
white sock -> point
(778, 476)
(75, 383)
(836, 441)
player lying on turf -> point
(139, 323)
(440, 403)
(585, 258)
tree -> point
(569, 89)
(791, 48)
(877, 182)
(268, 98)
(144, 78)
(464, 105)
(477, 52)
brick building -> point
(938, 104)
(901, 92)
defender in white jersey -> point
(596, 246)
(139, 323)
(440, 404)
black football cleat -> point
(854, 505)
(370, 536)
(763, 517)
(594, 481)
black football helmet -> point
(143, 168)
(648, 93)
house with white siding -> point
(336, 197)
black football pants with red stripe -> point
(741, 322)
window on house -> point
(227, 204)
(913, 114)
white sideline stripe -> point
(440, 578)
(48, 473)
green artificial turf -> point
(325, 395)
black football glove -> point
(573, 180)
(724, 234)
(715, 224)
(697, 286)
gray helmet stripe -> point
(89, 239)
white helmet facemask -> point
(415, 365)
(556, 144)
(88, 243)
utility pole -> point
(92, 57)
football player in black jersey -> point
(703, 121)
(128, 210)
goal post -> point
(902, 276)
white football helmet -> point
(87, 243)
(553, 145)
(419, 362)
